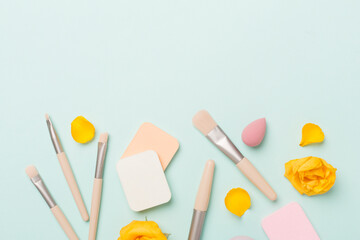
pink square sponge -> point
(289, 222)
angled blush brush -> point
(68, 173)
(35, 178)
(207, 125)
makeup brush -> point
(202, 201)
(34, 176)
(65, 166)
(96, 195)
(206, 124)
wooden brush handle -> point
(203, 195)
(255, 177)
(95, 206)
(73, 185)
(65, 225)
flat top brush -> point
(35, 178)
(68, 173)
(207, 125)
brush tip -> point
(103, 137)
(47, 116)
(31, 171)
(210, 163)
(204, 122)
(210, 166)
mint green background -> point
(121, 63)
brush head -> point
(103, 137)
(31, 171)
(47, 116)
(204, 122)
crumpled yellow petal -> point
(82, 130)
(311, 133)
(141, 230)
(237, 201)
(310, 175)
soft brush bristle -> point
(103, 137)
(204, 122)
(31, 171)
(47, 116)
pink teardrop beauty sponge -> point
(254, 133)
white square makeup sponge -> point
(143, 180)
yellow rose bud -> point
(310, 175)
(141, 230)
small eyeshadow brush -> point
(96, 195)
(68, 173)
(35, 178)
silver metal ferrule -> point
(40, 185)
(100, 160)
(223, 142)
(54, 138)
(197, 223)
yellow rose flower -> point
(310, 175)
(141, 230)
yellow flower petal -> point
(310, 163)
(82, 130)
(311, 133)
(310, 175)
(141, 230)
(237, 201)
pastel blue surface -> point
(121, 63)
